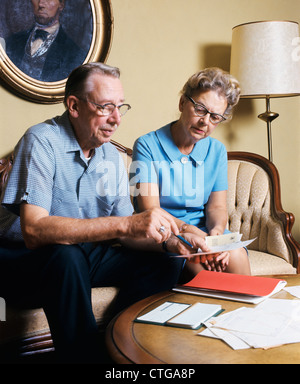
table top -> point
(132, 342)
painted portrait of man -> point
(48, 49)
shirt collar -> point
(72, 145)
(198, 153)
(66, 130)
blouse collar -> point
(198, 153)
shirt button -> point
(184, 160)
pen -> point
(183, 240)
(186, 242)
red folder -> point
(230, 282)
(236, 287)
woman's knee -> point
(239, 262)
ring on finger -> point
(162, 229)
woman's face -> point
(195, 127)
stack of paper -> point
(272, 323)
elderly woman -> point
(182, 169)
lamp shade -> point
(264, 58)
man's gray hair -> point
(78, 81)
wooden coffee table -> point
(131, 342)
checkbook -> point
(181, 314)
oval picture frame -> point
(53, 91)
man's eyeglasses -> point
(201, 110)
(108, 108)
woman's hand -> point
(215, 261)
(212, 262)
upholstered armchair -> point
(255, 210)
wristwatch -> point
(164, 246)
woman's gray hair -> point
(214, 79)
(78, 83)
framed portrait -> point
(42, 42)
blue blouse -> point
(185, 181)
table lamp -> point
(265, 59)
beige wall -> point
(158, 44)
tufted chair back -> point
(254, 206)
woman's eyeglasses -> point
(201, 110)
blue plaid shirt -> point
(51, 171)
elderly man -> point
(45, 52)
(66, 196)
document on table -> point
(272, 323)
(295, 290)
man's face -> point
(47, 11)
(92, 129)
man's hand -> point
(177, 246)
(154, 223)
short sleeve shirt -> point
(50, 171)
(185, 181)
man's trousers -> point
(59, 278)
